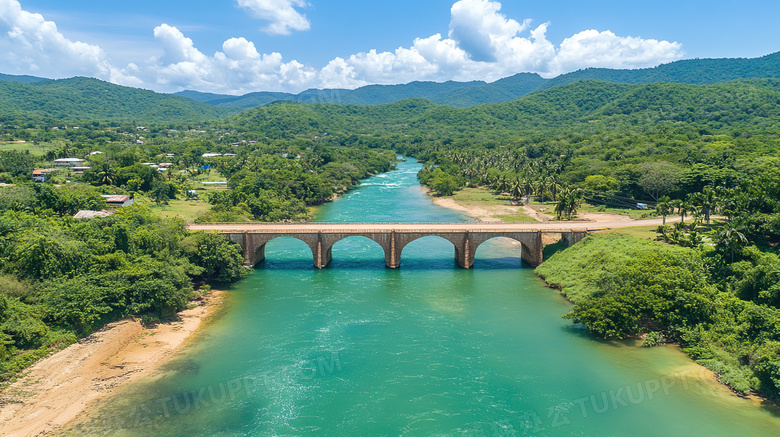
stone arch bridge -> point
(392, 237)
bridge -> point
(393, 237)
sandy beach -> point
(58, 390)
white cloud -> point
(592, 48)
(479, 28)
(29, 43)
(282, 16)
(482, 44)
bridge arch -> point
(406, 240)
(260, 251)
(520, 252)
(331, 243)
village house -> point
(67, 162)
(86, 214)
(40, 174)
(118, 201)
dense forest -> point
(63, 278)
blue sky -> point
(239, 46)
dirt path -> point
(57, 390)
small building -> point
(118, 201)
(79, 170)
(97, 152)
(86, 214)
(67, 162)
(212, 155)
(40, 174)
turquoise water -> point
(429, 349)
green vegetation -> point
(82, 99)
(714, 291)
(61, 279)
(468, 94)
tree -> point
(569, 200)
(705, 202)
(601, 184)
(106, 175)
(729, 239)
(659, 178)
(664, 208)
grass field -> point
(636, 214)
(21, 146)
(189, 210)
(643, 232)
(497, 205)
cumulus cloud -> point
(479, 28)
(482, 44)
(29, 43)
(281, 15)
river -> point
(430, 349)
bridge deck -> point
(363, 228)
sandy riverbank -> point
(58, 390)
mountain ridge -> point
(468, 94)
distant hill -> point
(456, 94)
(82, 98)
(468, 94)
(23, 79)
(690, 71)
(749, 104)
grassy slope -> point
(577, 270)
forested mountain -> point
(578, 105)
(23, 79)
(82, 98)
(468, 94)
(691, 71)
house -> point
(86, 214)
(40, 174)
(67, 162)
(97, 152)
(212, 155)
(79, 170)
(118, 201)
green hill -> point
(469, 94)
(82, 98)
(23, 79)
(691, 71)
(574, 106)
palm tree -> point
(516, 191)
(707, 201)
(106, 175)
(683, 208)
(569, 200)
(664, 208)
(729, 238)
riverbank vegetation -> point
(62, 279)
(717, 296)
